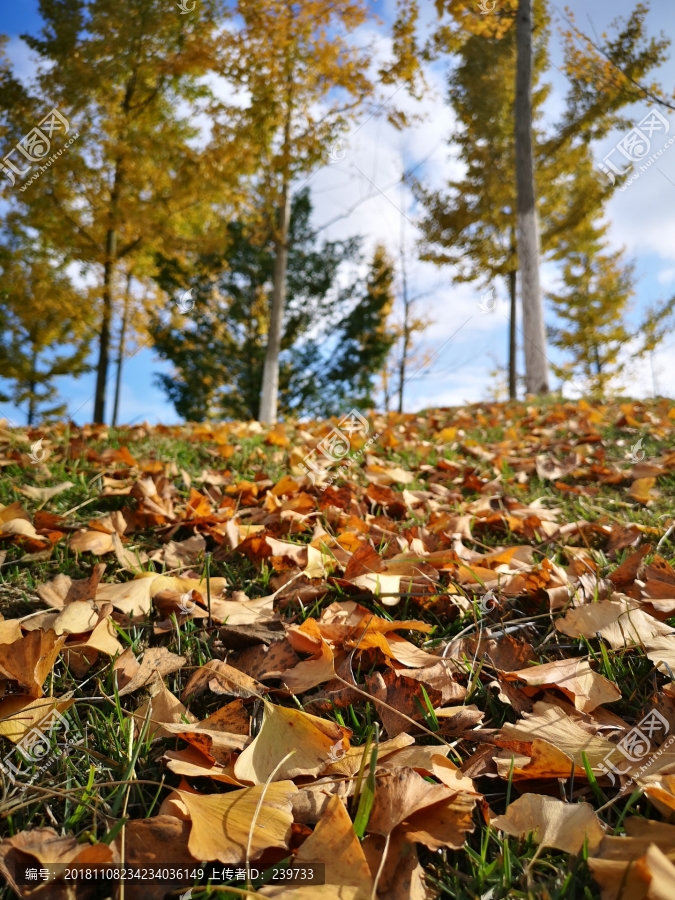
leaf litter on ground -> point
(444, 669)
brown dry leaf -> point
(232, 718)
(574, 677)
(565, 826)
(334, 843)
(404, 695)
(246, 612)
(549, 722)
(48, 848)
(62, 589)
(157, 662)
(264, 662)
(221, 823)
(18, 713)
(19, 527)
(126, 666)
(316, 743)
(45, 493)
(553, 469)
(662, 650)
(133, 598)
(29, 660)
(316, 892)
(221, 679)
(438, 676)
(542, 760)
(163, 708)
(151, 842)
(192, 763)
(642, 490)
(314, 671)
(620, 622)
(349, 764)
(180, 553)
(97, 542)
(131, 560)
(433, 815)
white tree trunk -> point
(270, 385)
(536, 366)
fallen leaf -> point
(575, 678)
(315, 742)
(29, 660)
(156, 663)
(334, 843)
(620, 622)
(46, 493)
(222, 679)
(221, 823)
(565, 826)
(97, 542)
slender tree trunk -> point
(120, 351)
(31, 387)
(104, 339)
(405, 349)
(513, 362)
(269, 399)
(536, 368)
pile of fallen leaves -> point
(439, 664)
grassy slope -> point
(67, 799)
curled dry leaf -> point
(334, 843)
(42, 495)
(157, 662)
(45, 846)
(222, 679)
(620, 622)
(97, 542)
(574, 677)
(565, 826)
(29, 660)
(316, 742)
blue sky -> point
(642, 219)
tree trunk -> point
(270, 386)
(120, 351)
(31, 388)
(513, 363)
(536, 367)
(405, 349)
(104, 339)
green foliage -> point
(218, 348)
(42, 318)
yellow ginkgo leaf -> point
(222, 823)
(315, 743)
